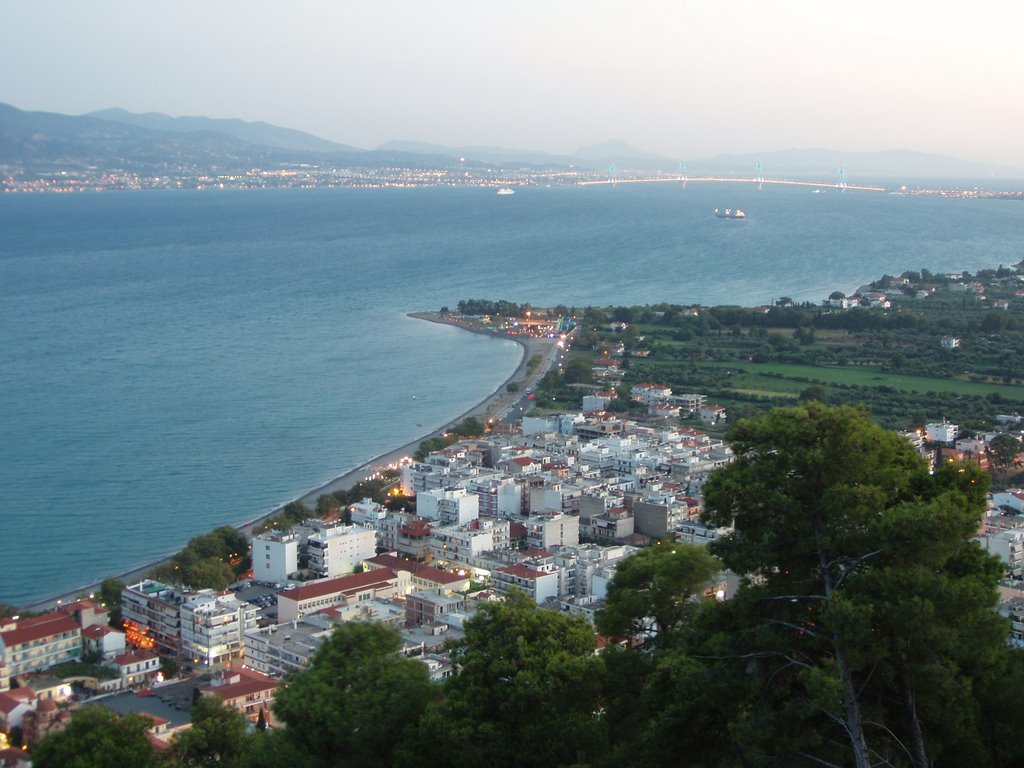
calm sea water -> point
(172, 361)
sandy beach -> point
(494, 405)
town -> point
(545, 503)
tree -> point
(218, 736)
(848, 542)
(97, 738)
(578, 371)
(110, 597)
(655, 591)
(326, 505)
(350, 706)
(526, 675)
(1004, 449)
(470, 426)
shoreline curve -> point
(492, 403)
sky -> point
(680, 78)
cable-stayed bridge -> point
(758, 179)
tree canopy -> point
(97, 738)
(655, 591)
(863, 590)
(218, 736)
(350, 707)
(526, 694)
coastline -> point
(491, 405)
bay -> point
(171, 361)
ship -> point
(506, 191)
(730, 213)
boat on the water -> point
(730, 213)
(506, 191)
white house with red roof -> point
(136, 668)
(523, 465)
(712, 414)
(13, 706)
(540, 583)
(105, 641)
(246, 690)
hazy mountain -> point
(623, 156)
(825, 163)
(46, 139)
(44, 142)
(252, 133)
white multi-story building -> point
(278, 649)
(497, 496)
(213, 627)
(539, 582)
(454, 506)
(275, 556)
(556, 497)
(649, 394)
(466, 544)
(1008, 546)
(34, 644)
(941, 432)
(335, 550)
(152, 616)
(424, 476)
(550, 531)
(367, 513)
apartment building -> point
(213, 627)
(31, 645)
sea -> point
(171, 361)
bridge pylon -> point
(758, 175)
(682, 174)
(611, 174)
(841, 184)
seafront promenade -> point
(495, 405)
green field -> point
(762, 376)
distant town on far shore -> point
(116, 150)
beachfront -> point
(496, 405)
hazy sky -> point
(683, 78)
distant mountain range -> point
(154, 142)
(252, 133)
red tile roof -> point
(250, 682)
(416, 527)
(521, 571)
(419, 570)
(40, 627)
(124, 659)
(9, 703)
(357, 582)
(96, 631)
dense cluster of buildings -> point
(550, 509)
